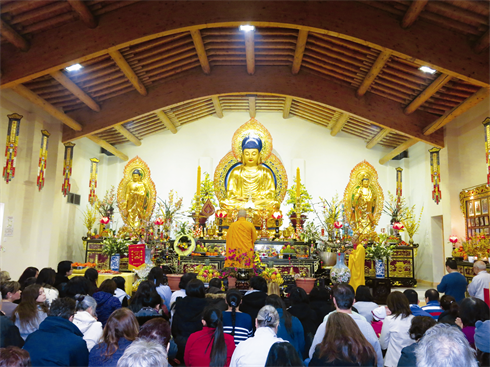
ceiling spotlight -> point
(74, 67)
(247, 28)
(427, 69)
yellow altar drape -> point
(356, 266)
(240, 241)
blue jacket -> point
(58, 342)
(418, 311)
(98, 359)
(297, 336)
(106, 305)
(453, 284)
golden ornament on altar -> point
(363, 200)
(136, 194)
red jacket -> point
(195, 349)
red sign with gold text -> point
(136, 256)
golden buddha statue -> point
(136, 194)
(362, 207)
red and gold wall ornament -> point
(43, 156)
(399, 184)
(486, 125)
(11, 147)
(67, 166)
(94, 167)
(435, 173)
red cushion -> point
(486, 296)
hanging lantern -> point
(13, 130)
(453, 239)
(398, 226)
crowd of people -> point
(51, 318)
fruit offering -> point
(83, 265)
(206, 273)
(288, 249)
(272, 275)
(106, 271)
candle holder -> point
(277, 216)
(220, 214)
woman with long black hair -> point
(236, 323)
(159, 279)
(31, 310)
(210, 346)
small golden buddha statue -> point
(250, 183)
(136, 200)
(363, 204)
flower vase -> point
(173, 281)
(471, 258)
(379, 265)
(340, 273)
(306, 283)
(115, 262)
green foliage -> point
(305, 198)
(113, 246)
(183, 229)
(310, 233)
(380, 249)
(207, 192)
(396, 210)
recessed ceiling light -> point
(247, 28)
(74, 67)
(427, 69)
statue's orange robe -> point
(356, 266)
(240, 241)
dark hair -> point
(144, 290)
(92, 275)
(344, 296)
(322, 294)
(30, 272)
(233, 299)
(9, 287)
(432, 295)
(258, 283)
(186, 278)
(452, 264)
(275, 301)
(363, 294)
(157, 329)
(343, 340)
(26, 311)
(298, 295)
(215, 282)
(448, 303)
(108, 286)
(121, 323)
(157, 277)
(62, 307)
(412, 296)
(14, 357)
(120, 282)
(77, 285)
(64, 267)
(152, 300)
(47, 276)
(212, 316)
(27, 282)
(473, 309)
(398, 304)
(283, 355)
(420, 324)
(195, 288)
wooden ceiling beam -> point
(342, 120)
(13, 37)
(300, 50)
(201, 50)
(46, 106)
(464, 106)
(128, 71)
(86, 16)
(75, 90)
(378, 65)
(127, 134)
(251, 107)
(217, 106)
(108, 147)
(250, 51)
(416, 7)
(377, 138)
(166, 121)
(276, 80)
(482, 43)
(399, 149)
(428, 92)
(287, 107)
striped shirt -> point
(243, 326)
(434, 309)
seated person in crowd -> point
(86, 320)
(46, 279)
(472, 310)
(454, 283)
(14, 357)
(186, 278)
(283, 354)
(64, 271)
(482, 342)
(480, 281)
(9, 333)
(450, 310)
(31, 310)
(106, 302)
(321, 301)
(254, 298)
(364, 302)
(236, 323)
(432, 306)
(92, 275)
(161, 283)
(158, 330)
(10, 292)
(413, 299)
(152, 307)
(120, 292)
(420, 324)
(143, 353)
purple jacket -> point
(106, 305)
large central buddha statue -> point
(250, 185)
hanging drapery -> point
(92, 197)
(435, 173)
(486, 125)
(43, 156)
(11, 147)
(399, 184)
(67, 166)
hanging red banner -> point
(68, 162)
(43, 157)
(136, 256)
(11, 147)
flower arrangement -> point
(272, 275)
(105, 207)
(396, 209)
(331, 213)
(241, 258)
(89, 218)
(113, 246)
(411, 222)
(170, 208)
(380, 249)
(477, 246)
(310, 233)
(304, 200)
(207, 192)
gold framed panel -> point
(474, 205)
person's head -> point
(479, 266)
(242, 213)
(258, 283)
(33, 293)
(27, 282)
(298, 295)
(153, 300)
(233, 299)
(120, 282)
(273, 288)
(283, 355)
(64, 268)
(451, 264)
(157, 277)
(473, 309)
(215, 282)
(343, 340)
(195, 288)
(275, 301)
(121, 323)
(47, 276)
(4, 276)
(92, 275)
(86, 303)
(320, 294)
(30, 272)
(11, 290)
(108, 286)
(267, 317)
(444, 345)
(32, 297)
(77, 285)
(412, 296)
(186, 278)
(398, 304)
(211, 317)
(14, 357)
(157, 329)
(363, 294)
(420, 324)
(446, 302)
(144, 289)
(144, 353)
(63, 307)
(431, 295)
(343, 296)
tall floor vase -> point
(340, 273)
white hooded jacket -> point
(90, 328)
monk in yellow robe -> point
(356, 266)
(240, 241)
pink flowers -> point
(159, 222)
